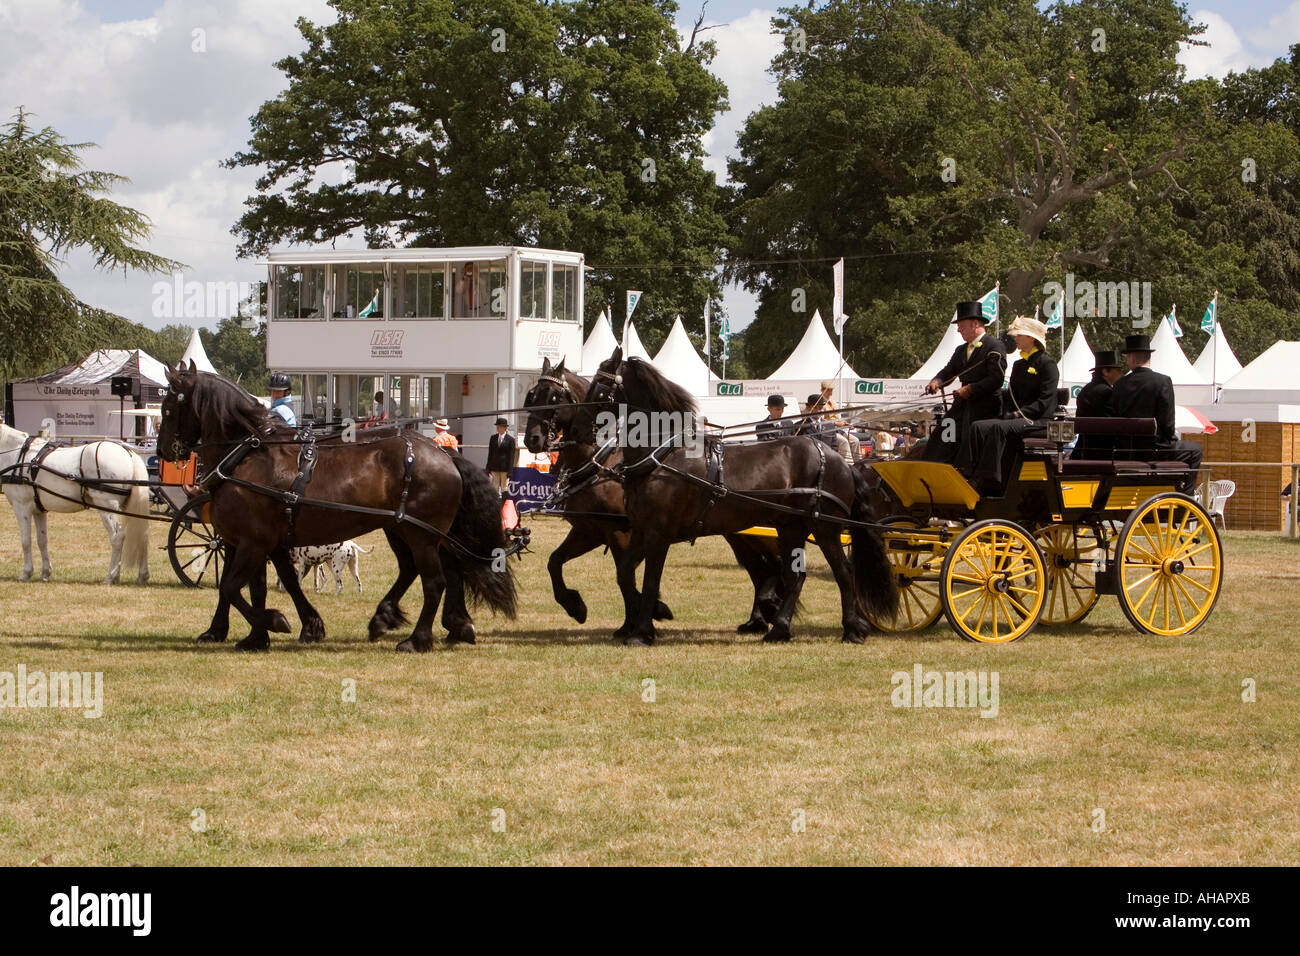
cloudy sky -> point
(127, 75)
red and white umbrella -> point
(1188, 421)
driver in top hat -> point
(1146, 393)
(981, 366)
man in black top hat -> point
(1027, 406)
(1097, 400)
(1144, 393)
(981, 365)
(501, 455)
(774, 428)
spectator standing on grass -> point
(501, 455)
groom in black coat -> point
(981, 367)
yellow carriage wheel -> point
(994, 583)
(1069, 552)
(1169, 565)
(919, 601)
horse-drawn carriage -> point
(193, 546)
(1063, 533)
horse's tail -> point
(135, 520)
(874, 583)
(489, 578)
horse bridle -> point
(549, 416)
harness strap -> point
(306, 467)
(821, 476)
(400, 513)
(34, 470)
(717, 487)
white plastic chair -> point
(1220, 492)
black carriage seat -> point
(1129, 428)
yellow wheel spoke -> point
(1196, 606)
(1197, 583)
(1142, 600)
(1145, 577)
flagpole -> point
(1214, 344)
(708, 359)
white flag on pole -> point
(837, 310)
(633, 297)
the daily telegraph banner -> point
(530, 488)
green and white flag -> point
(372, 308)
(633, 297)
(1211, 316)
(1057, 319)
(724, 333)
(989, 305)
(1172, 319)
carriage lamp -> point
(1061, 432)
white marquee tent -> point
(939, 357)
(1270, 379)
(815, 358)
(195, 351)
(680, 363)
(1221, 366)
(77, 399)
(1077, 362)
(632, 347)
(599, 346)
(1168, 358)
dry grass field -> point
(537, 745)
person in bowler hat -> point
(1145, 393)
(1028, 404)
(1097, 400)
(501, 455)
(981, 366)
(774, 428)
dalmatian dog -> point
(345, 554)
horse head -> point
(179, 428)
(555, 387)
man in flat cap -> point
(1145, 393)
(981, 366)
(1028, 404)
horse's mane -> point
(662, 395)
(577, 385)
(227, 402)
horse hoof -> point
(753, 626)
(313, 632)
(662, 612)
(254, 642)
(462, 635)
(574, 606)
(853, 637)
(375, 631)
(277, 622)
(25, 576)
(638, 640)
(211, 637)
(413, 645)
(777, 636)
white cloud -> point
(1227, 52)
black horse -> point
(672, 494)
(594, 507)
(366, 485)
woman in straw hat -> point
(1028, 404)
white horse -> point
(127, 517)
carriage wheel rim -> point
(1071, 593)
(920, 602)
(994, 583)
(1171, 566)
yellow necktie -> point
(970, 348)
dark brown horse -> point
(595, 510)
(446, 506)
(673, 494)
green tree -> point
(573, 124)
(238, 352)
(940, 145)
(50, 205)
